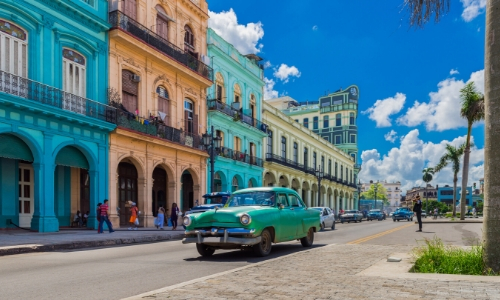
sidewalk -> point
(448, 220)
(332, 272)
(21, 241)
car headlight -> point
(245, 219)
(186, 220)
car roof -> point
(216, 194)
(266, 189)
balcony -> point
(119, 20)
(215, 105)
(48, 95)
(339, 107)
(284, 161)
(240, 156)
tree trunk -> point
(455, 179)
(491, 211)
(426, 198)
(465, 174)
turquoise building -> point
(54, 123)
(235, 111)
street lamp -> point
(319, 175)
(212, 144)
(359, 193)
(375, 188)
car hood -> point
(226, 214)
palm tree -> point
(473, 111)
(428, 172)
(452, 156)
(419, 15)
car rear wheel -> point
(308, 240)
(204, 250)
(322, 226)
(333, 225)
(264, 247)
(394, 220)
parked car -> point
(327, 217)
(402, 213)
(351, 216)
(391, 213)
(375, 214)
(424, 214)
(254, 217)
(212, 200)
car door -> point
(300, 214)
(330, 217)
(287, 226)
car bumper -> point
(401, 217)
(344, 219)
(215, 236)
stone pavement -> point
(21, 241)
(330, 272)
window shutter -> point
(186, 121)
(195, 124)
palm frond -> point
(472, 103)
(421, 11)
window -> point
(314, 160)
(351, 119)
(282, 200)
(130, 90)
(330, 167)
(353, 139)
(315, 122)
(323, 164)
(338, 139)
(336, 169)
(283, 147)
(13, 49)
(253, 106)
(353, 155)
(220, 134)
(74, 73)
(188, 37)
(295, 153)
(338, 120)
(237, 96)
(237, 144)
(161, 22)
(269, 142)
(163, 97)
(250, 184)
(130, 8)
(294, 201)
(252, 150)
(326, 122)
(297, 120)
(306, 122)
(306, 158)
(189, 116)
(235, 184)
(219, 88)
(341, 172)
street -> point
(118, 272)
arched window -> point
(190, 118)
(250, 184)
(162, 22)
(219, 88)
(163, 104)
(237, 96)
(188, 38)
(338, 120)
(130, 91)
(74, 80)
(14, 49)
(220, 134)
(235, 184)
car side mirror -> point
(281, 206)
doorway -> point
(26, 191)
(127, 190)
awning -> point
(72, 157)
(14, 148)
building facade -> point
(53, 124)
(430, 192)
(295, 153)
(393, 193)
(158, 81)
(445, 195)
(234, 113)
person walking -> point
(174, 215)
(133, 216)
(160, 219)
(417, 208)
(104, 217)
(474, 212)
(435, 213)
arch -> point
(269, 179)
(236, 183)
(137, 164)
(295, 184)
(162, 91)
(70, 156)
(86, 151)
(237, 89)
(220, 180)
(252, 182)
(305, 186)
(167, 168)
(283, 181)
(13, 147)
(195, 174)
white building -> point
(393, 192)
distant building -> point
(430, 192)
(393, 192)
(445, 195)
(481, 186)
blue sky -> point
(409, 79)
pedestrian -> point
(133, 216)
(104, 217)
(160, 219)
(474, 212)
(174, 215)
(98, 216)
(435, 213)
(417, 208)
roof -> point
(254, 57)
(265, 189)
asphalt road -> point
(118, 272)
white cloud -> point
(245, 38)
(284, 72)
(383, 109)
(453, 72)
(391, 136)
(315, 27)
(267, 64)
(269, 92)
(442, 112)
(405, 164)
(472, 9)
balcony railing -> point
(240, 156)
(117, 19)
(157, 129)
(48, 95)
(236, 114)
(339, 107)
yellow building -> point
(157, 79)
(294, 154)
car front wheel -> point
(264, 247)
(204, 250)
(308, 240)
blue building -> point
(53, 123)
(235, 111)
(445, 195)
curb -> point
(447, 222)
(12, 250)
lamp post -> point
(212, 143)
(359, 193)
(375, 188)
(319, 175)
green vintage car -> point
(254, 217)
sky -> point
(409, 79)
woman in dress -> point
(174, 215)
(133, 216)
(160, 219)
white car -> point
(327, 217)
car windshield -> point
(251, 199)
(350, 211)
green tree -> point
(427, 177)
(472, 110)
(452, 156)
(420, 13)
(381, 193)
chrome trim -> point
(221, 240)
(220, 231)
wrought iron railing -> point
(158, 129)
(285, 162)
(117, 19)
(339, 107)
(240, 156)
(236, 114)
(42, 93)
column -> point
(113, 180)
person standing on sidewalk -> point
(160, 219)
(417, 208)
(174, 215)
(133, 216)
(103, 217)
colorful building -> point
(234, 112)
(445, 195)
(53, 122)
(158, 81)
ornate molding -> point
(161, 77)
(48, 22)
(191, 91)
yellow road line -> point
(371, 237)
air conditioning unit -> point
(136, 78)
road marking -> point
(371, 237)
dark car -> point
(351, 216)
(402, 213)
(375, 214)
